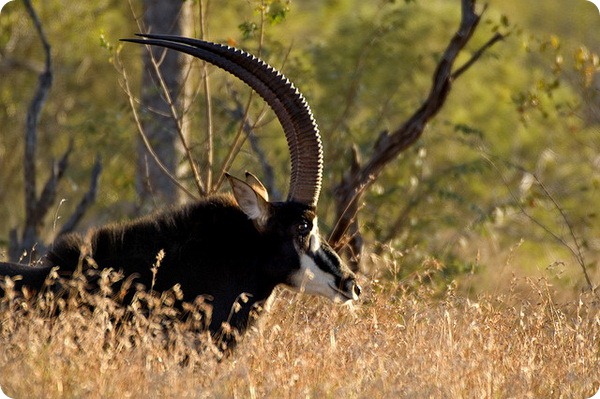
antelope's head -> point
(294, 253)
(308, 263)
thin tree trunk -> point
(159, 125)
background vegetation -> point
(501, 190)
(464, 194)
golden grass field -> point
(404, 339)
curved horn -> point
(289, 105)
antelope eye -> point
(303, 228)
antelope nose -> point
(352, 287)
(356, 290)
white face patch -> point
(310, 278)
(314, 237)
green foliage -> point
(82, 104)
(248, 29)
(528, 107)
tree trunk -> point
(158, 122)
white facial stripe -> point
(311, 279)
(315, 239)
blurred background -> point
(504, 180)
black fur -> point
(24, 275)
(214, 247)
(211, 248)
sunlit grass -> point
(402, 340)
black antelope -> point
(227, 246)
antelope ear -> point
(258, 187)
(251, 202)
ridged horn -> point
(289, 105)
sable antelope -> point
(225, 246)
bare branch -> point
(239, 139)
(577, 250)
(389, 146)
(36, 209)
(208, 100)
(33, 115)
(268, 178)
(33, 219)
(87, 200)
(48, 194)
(476, 55)
(177, 119)
(132, 105)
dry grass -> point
(398, 342)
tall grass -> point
(403, 340)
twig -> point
(577, 252)
(48, 194)
(208, 100)
(477, 54)
(86, 201)
(239, 139)
(202, 189)
(268, 179)
(132, 105)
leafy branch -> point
(388, 146)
